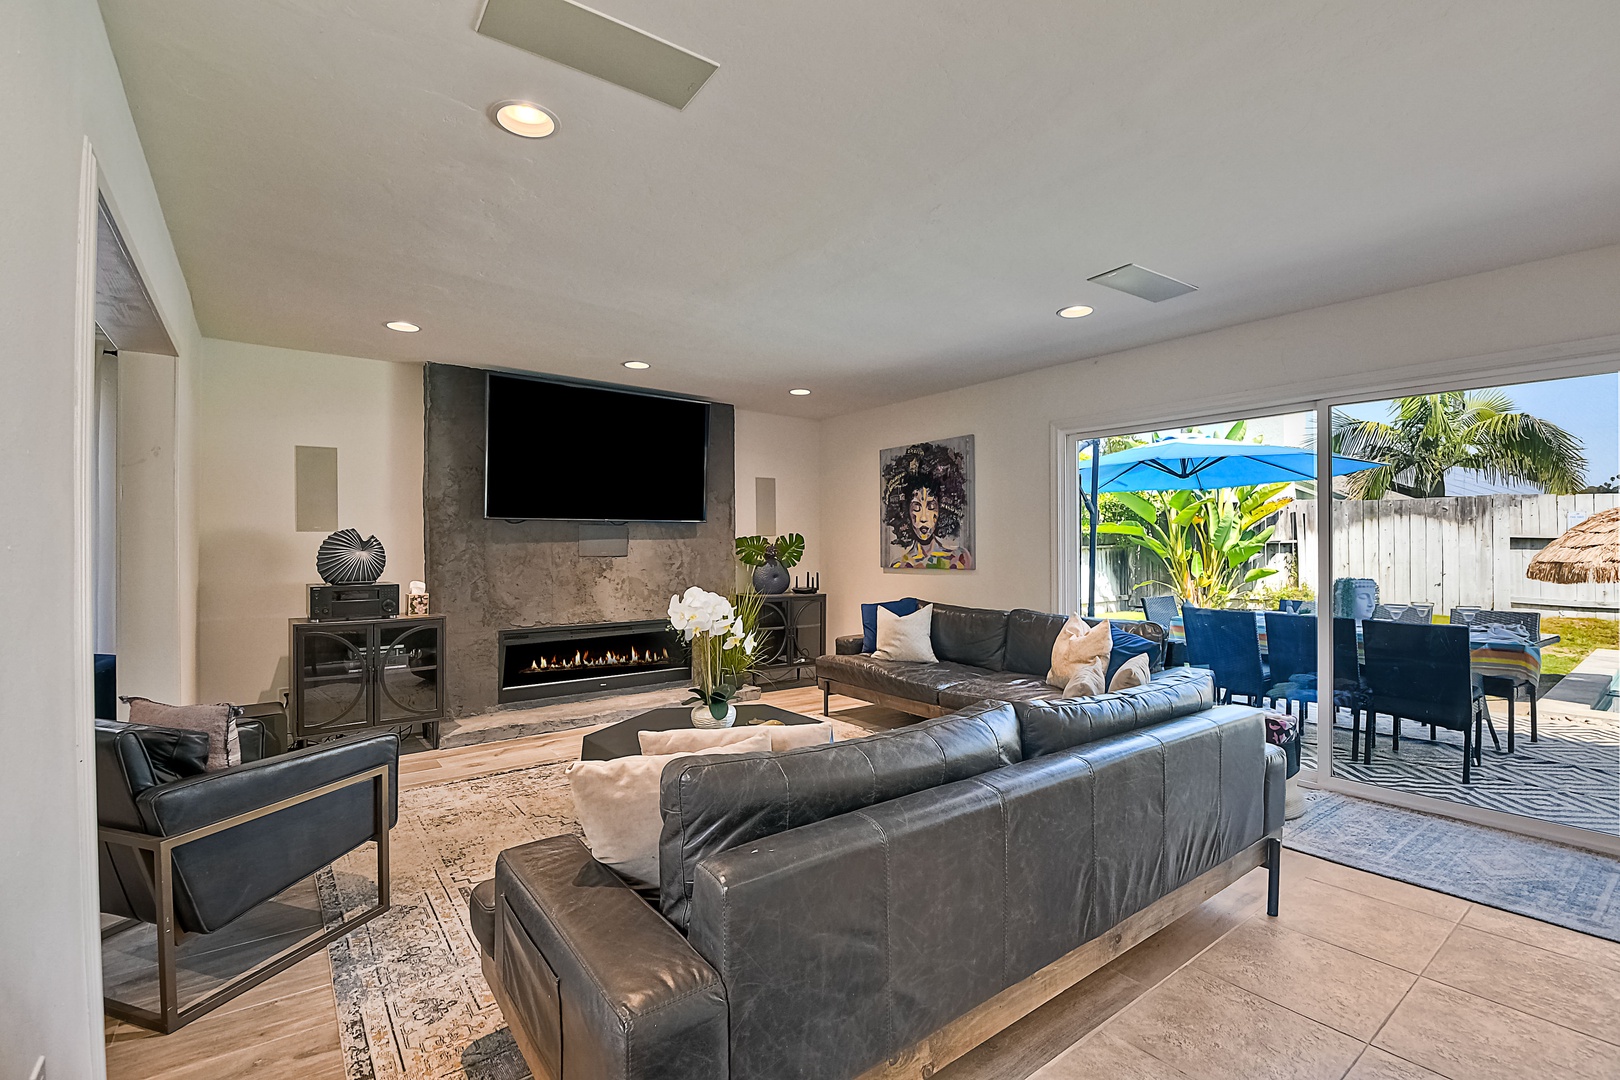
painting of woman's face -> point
(924, 514)
(926, 505)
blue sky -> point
(1587, 407)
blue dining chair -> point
(1421, 673)
(1291, 652)
(1228, 643)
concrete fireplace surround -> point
(486, 576)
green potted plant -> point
(772, 559)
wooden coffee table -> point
(622, 739)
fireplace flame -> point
(586, 658)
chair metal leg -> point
(1372, 732)
(826, 699)
(1395, 733)
(1273, 875)
(1512, 697)
(1355, 734)
(1490, 723)
(1532, 719)
(1468, 750)
(1431, 733)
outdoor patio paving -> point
(1570, 775)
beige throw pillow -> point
(905, 638)
(1133, 672)
(218, 722)
(696, 740)
(1077, 646)
(617, 805)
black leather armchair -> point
(190, 851)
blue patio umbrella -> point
(1196, 463)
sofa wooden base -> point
(1014, 1003)
(889, 701)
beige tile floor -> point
(1360, 977)
(1364, 978)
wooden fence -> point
(1468, 550)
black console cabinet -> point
(793, 629)
(359, 675)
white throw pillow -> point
(1088, 680)
(617, 805)
(905, 638)
(1133, 672)
(695, 740)
(1077, 646)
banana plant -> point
(1204, 538)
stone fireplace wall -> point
(486, 576)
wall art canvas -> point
(927, 505)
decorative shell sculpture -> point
(346, 559)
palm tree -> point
(1479, 430)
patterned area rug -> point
(1571, 775)
(1557, 884)
(412, 1002)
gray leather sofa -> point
(824, 910)
(984, 654)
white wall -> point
(788, 449)
(1439, 330)
(254, 404)
(58, 86)
(154, 628)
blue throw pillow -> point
(1127, 645)
(869, 618)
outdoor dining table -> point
(1488, 655)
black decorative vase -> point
(346, 558)
(771, 577)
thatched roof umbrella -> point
(1588, 552)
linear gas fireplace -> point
(562, 660)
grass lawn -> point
(1580, 637)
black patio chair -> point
(1417, 613)
(1160, 609)
(1421, 673)
(1529, 622)
(1228, 643)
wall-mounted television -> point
(578, 452)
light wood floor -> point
(1360, 977)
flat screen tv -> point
(574, 452)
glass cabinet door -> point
(408, 671)
(335, 679)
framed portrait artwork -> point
(927, 505)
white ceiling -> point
(873, 200)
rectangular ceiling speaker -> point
(591, 42)
(315, 483)
(1140, 281)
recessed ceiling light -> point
(637, 365)
(524, 118)
(799, 391)
(1079, 311)
(403, 327)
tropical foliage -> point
(1204, 538)
(1480, 430)
(754, 550)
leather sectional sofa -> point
(825, 911)
(983, 654)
